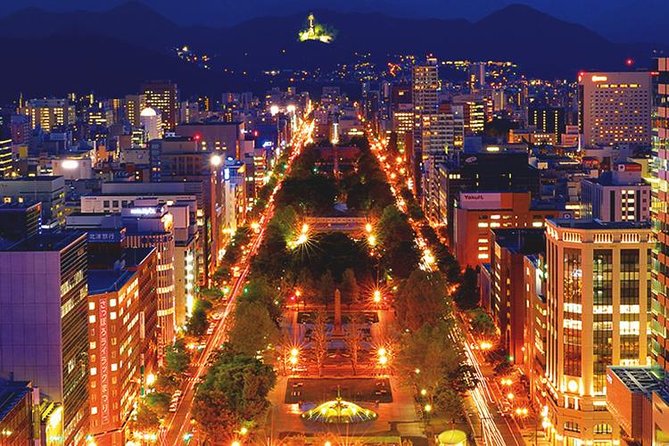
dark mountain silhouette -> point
(132, 42)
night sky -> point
(620, 20)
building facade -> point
(44, 297)
(615, 108)
(597, 312)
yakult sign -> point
(480, 200)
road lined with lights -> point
(481, 395)
(177, 428)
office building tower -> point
(132, 108)
(552, 120)
(20, 129)
(597, 313)
(150, 224)
(425, 87)
(618, 195)
(472, 112)
(20, 220)
(442, 137)
(118, 310)
(638, 397)
(495, 169)
(661, 216)
(615, 108)
(477, 213)
(49, 190)
(476, 76)
(215, 136)
(44, 324)
(507, 305)
(6, 158)
(48, 114)
(163, 96)
(18, 410)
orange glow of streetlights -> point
(376, 296)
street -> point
(179, 423)
(493, 428)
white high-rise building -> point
(615, 108)
(151, 120)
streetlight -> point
(376, 296)
(428, 408)
(216, 160)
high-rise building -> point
(597, 313)
(477, 213)
(49, 190)
(118, 312)
(47, 114)
(6, 161)
(638, 397)
(507, 300)
(215, 136)
(20, 220)
(615, 108)
(619, 195)
(18, 401)
(132, 108)
(548, 120)
(163, 96)
(151, 121)
(495, 169)
(473, 113)
(44, 324)
(425, 86)
(442, 137)
(150, 224)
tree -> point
(449, 404)
(320, 340)
(158, 402)
(146, 419)
(260, 290)
(212, 293)
(326, 287)
(467, 295)
(253, 329)
(211, 411)
(482, 323)
(177, 358)
(394, 228)
(350, 290)
(424, 354)
(421, 300)
(235, 388)
(353, 339)
(166, 383)
(197, 324)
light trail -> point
(481, 395)
(179, 423)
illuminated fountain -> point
(339, 412)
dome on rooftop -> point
(148, 112)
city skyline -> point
(332, 228)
